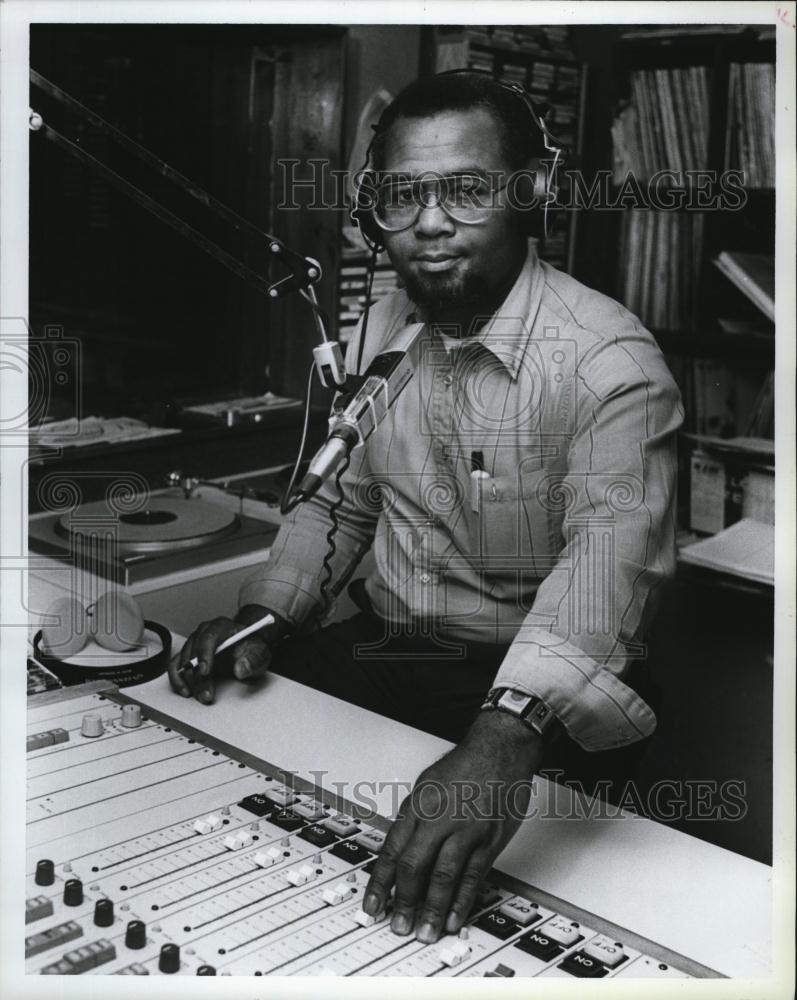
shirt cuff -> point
(598, 711)
(289, 592)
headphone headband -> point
(362, 212)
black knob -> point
(103, 913)
(169, 960)
(136, 934)
(73, 892)
(206, 970)
(45, 872)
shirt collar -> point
(506, 334)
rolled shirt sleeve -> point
(618, 494)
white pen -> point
(254, 627)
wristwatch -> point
(532, 711)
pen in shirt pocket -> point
(477, 479)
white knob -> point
(131, 716)
(91, 725)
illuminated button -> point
(136, 934)
(61, 968)
(91, 725)
(103, 913)
(520, 910)
(38, 740)
(335, 894)
(602, 948)
(373, 840)
(73, 892)
(265, 859)
(561, 930)
(131, 716)
(45, 872)
(136, 969)
(281, 794)
(454, 953)
(309, 809)
(169, 958)
(52, 938)
(341, 824)
(59, 735)
(37, 908)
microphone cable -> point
(331, 547)
(290, 502)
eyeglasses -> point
(466, 198)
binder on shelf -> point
(753, 274)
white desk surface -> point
(697, 899)
(702, 901)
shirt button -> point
(447, 380)
(425, 577)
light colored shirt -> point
(560, 546)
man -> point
(518, 497)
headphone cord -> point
(332, 548)
(366, 311)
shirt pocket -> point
(511, 534)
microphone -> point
(382, 384)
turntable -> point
(149, 535)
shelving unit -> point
(722, 375)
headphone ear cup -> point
(526, 197)
(362, 213)
(70, 633)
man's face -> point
(451, 267)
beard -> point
(440, 295)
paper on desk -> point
(746, 549)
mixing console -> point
(152, 850)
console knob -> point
(73, 892)
(136, 934)
(131, 716)
(169, 960)
(103, 913)
(91, 725)
(45, 872)
(206, 970)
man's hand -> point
(246, 660)
(461, 813)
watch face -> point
(514, 701)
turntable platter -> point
(164, 524)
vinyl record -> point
(162, 525)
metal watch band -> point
(528, 708)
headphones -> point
(537, 190)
